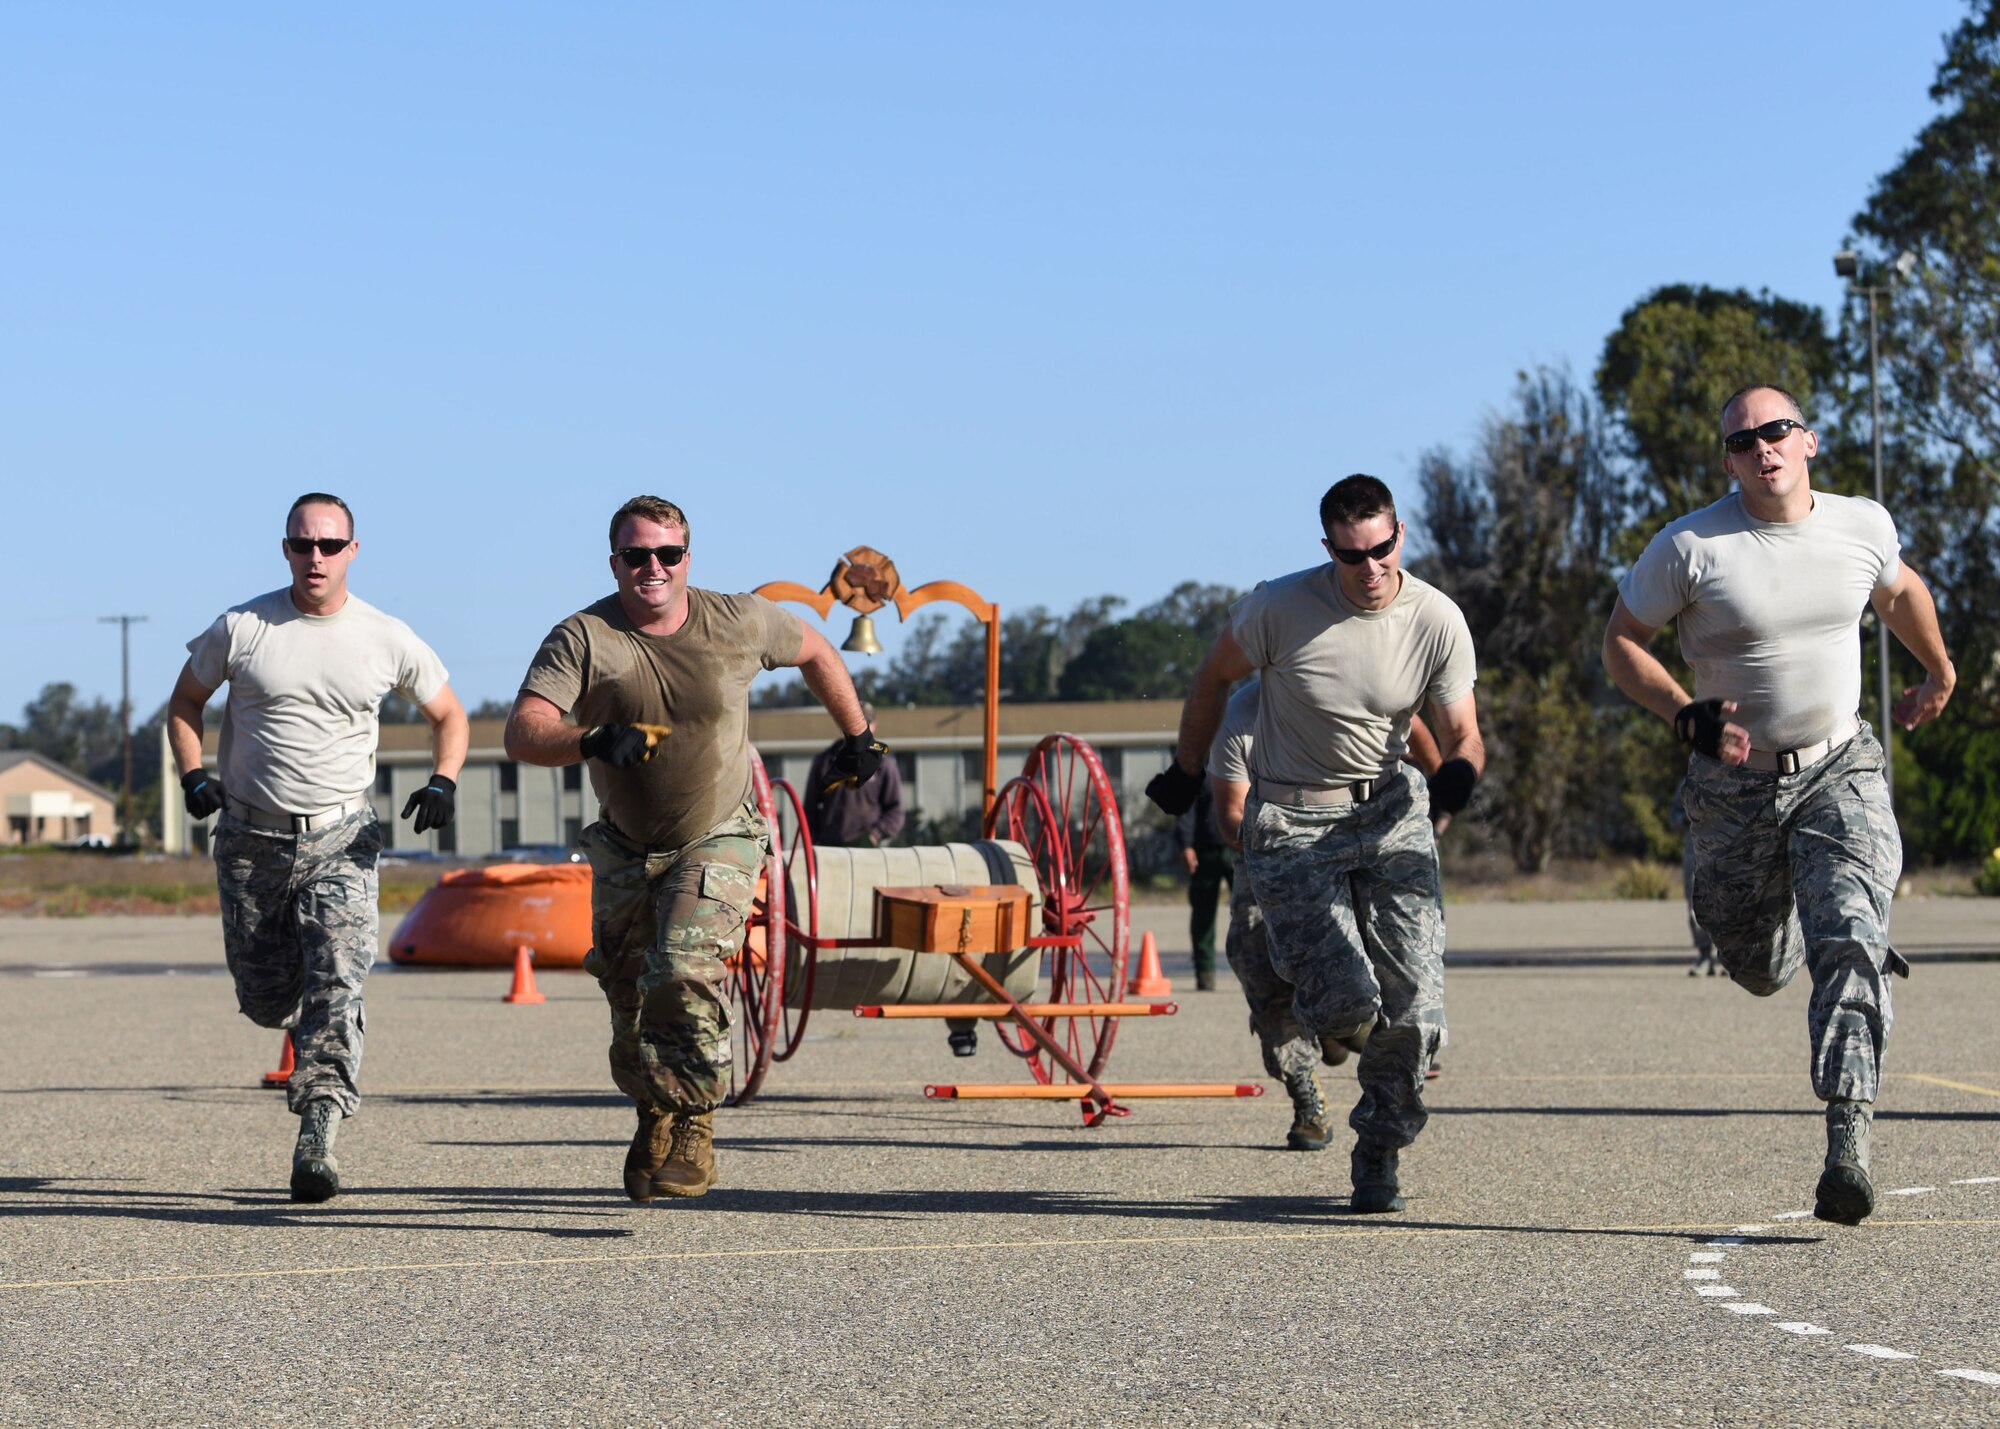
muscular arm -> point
(825, 674)
(184, 709)
(450, 733)
(1230, 796)
(1459, 721)
(536, 733)
(1638, 672)
(1908, 610)
(1201, 716)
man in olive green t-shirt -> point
(655, 684)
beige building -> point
(503, 804)
(48, 804)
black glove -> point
(1699, 723)
(203, 793)
(1174, 789)
(621, 745)
(1451, 786)
(434, 804)
(855, 762)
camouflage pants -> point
(664, 923)
(298, 929)
(1354, 912)
(1289, 1050)
(1794, 869)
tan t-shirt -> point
(1769, 612)
(1229, 755)
(1340, 683)
(300, 727)
(596, 666)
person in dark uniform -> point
(1206, 858)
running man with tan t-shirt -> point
(651, 685)
(296, 846)
(1336, 830)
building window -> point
(510, 833)
(975, 765)
(572, 832)
(906, 765)
(510, 777)
(448, 838)
(572, 776)
(382, 779)
(1114, 763)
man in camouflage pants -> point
(295, 849)
(651, 685)
(1336, 833)
(1792, 840)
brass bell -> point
(861, 639)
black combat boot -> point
(1845, 1193)
(963, 1040)
(315, 1174)
(1309, 1119)
(1375, 1188)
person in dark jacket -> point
(1209, 866)
(864, 817)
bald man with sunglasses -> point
(1793, 845)
(1337, 831)
(296, 845)
(651, 686)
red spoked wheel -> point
(1062, 808)
(757, 973)
(801, 878)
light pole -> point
(125, 624)
(1847, 264)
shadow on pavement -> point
(248, 1207)
(1701, 1111)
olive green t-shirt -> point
(598, 668)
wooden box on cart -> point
(952, 918)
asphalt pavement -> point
(1605, 1220)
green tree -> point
(1672, 362)
(1521, 535)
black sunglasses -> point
(328, 545)
(1350, 557)
(635, 557)
(1772, 432)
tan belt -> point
(293, 823)
(1317, 796)
(1791, 761)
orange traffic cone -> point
(1149, 981)
(524, 989)
(286, 1063)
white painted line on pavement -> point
(1881, 1352)
(1792, 1216)
(1701, 1275)
(1715, 1292)
(1747, 1307)
(1724, 1240)
(1707, 1257)
(1975, 1181)
(1912, 1191)
(1750, 1230)
(1801, 1327)
(1977, 1376)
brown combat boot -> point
(649, 1150)
(1309, 1115)
(689, 1169)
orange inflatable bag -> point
(476, 917)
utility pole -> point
(125, 624)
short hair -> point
(320, 498)
(1355, 498)
(652, 508)
(1741, 392)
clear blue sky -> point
(1054, 300)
